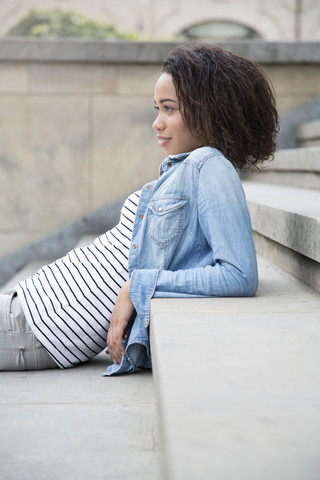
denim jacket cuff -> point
(142, 286)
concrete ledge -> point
(287, 215)
(238, 383)
(91, 51)
(284, 201)
(298, 167)
(286, 224)
(308, 134)
(300, 266)
(305, 159)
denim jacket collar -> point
(170, 160)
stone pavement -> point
(235, 382)
(76, 424)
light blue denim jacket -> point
(192, 236)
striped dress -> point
(68, 303)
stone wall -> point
(76, 122)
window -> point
(219, 30)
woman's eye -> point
(166, 108)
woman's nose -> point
(158, 123)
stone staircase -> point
(284, 204)
(237, 379)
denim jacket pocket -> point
(166, 218)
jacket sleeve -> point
(225, 222)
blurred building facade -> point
(274, 20)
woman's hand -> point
(120, 317)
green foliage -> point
(57, 23)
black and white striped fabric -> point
(68, 303)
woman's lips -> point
(162, 141)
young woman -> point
(192, 234)
(186, 234)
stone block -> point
(13, 78)
(308, 180)
(137, 80)
(300, 159)
(125, 152)
(241, 395)
(288, 103)
(308, 133)
(44, 155)
(299, 167)
(292, 79)
(300, 266)
(287, 227)
(72, 78)
(309, 129)
(287, 215)
(312, 142)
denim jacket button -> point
(160, 209)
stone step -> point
(293, 167)
(286, 224)
(237, 382)
(308, 134)
(76, 424)
(92, 422)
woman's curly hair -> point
(226, 101)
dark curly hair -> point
(226, 101)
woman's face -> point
(172, 133)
